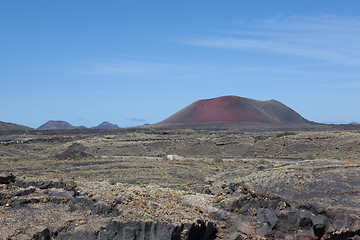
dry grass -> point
(178, 174)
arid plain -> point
(170, 183)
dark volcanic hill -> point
(57, 125)
(4, 126)
(106, 125)
(235, 109)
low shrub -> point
(218, 159)
(282, 134)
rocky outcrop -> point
(56, 210)
(299, 200)
(270, 217)
(8, 178)
(74, 151)
(136, 230)
(269, 199)
(160, 231)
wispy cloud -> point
(332, 39)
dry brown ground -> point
(180, 174)
(334, 144)
(322, 169)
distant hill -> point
(58, 125)
(5, 126)
(233, 109)
(106, 125)
(63, 125)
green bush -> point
(71, 185)
(218, 159)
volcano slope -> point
(232, 109)
(4, 126)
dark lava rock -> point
(25, 192)
(202, 231)
(40, 184)
(47, 212)
(137, 230)
(43, 235)
(144, 230)
(9, 178)
(75, 151)
(300, 200)
(45, 185)
(151, 230)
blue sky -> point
(137, 62)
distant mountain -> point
(5, 126)
(58, 125)
(63, 125)
(235, 109)
(106, 125)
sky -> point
(137, 62)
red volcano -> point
(55, 125)
(236, 109)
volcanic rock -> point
(54, 213)
(236, 109)
(75, 151)
(296, 200)
(7, 178)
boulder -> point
(8, 178)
